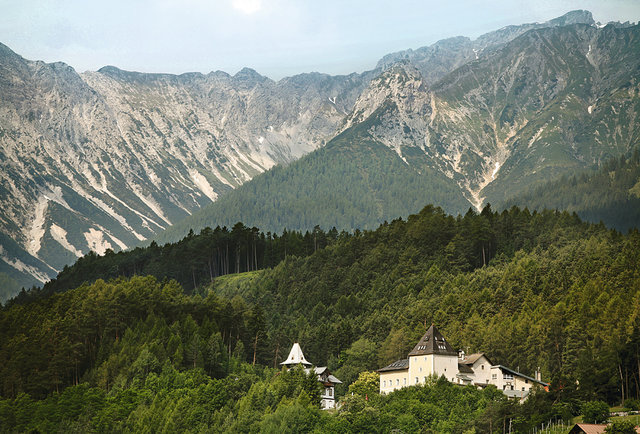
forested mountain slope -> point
(611, 194)
(541, 289)
(353, 182)
(556, 293)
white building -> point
(328, 395)
(433, 355)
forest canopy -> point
(540, 289)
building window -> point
(494, 376)
(417, 380)
(526, 381)
(405, 381)
(482, 367)
(397, 381)
(384, 383)
(420, 368)
(523, 388)
(445, 369)
(425, 379)
(506, 376)
(487, 381)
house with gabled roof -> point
(513, 383)
(433, 355)
(479, 365)
(328, 395)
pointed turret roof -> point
(433, 343)
(296, 357)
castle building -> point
(433, 355)
(328, 395)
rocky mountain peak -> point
(400, 88)
(573, 17)
(250, 76)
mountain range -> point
(551, 102)
(105, 160)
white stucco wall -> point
(392, 380)
(482, 371)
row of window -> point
(505, 376)
(404, 381)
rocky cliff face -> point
(103, 160)
(437, 60)
(550, 101)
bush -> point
(595, 412)
(623, 427)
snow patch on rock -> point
(201, 182)
(22, 267)
(60, 235)
(495, 170)
(37, 226)
(96, 242)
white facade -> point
(423, 366)
(512, 383)
(433, 355)
(481, 367)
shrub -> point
(595, 411)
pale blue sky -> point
(276, 37)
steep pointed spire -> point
(296, 357)
(433, 343)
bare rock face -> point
(551, 101)
(103, 160)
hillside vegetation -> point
(530, 289)
(352, 183)
(610, 194)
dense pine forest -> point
(195, 260)
(611, 194)
(144, 346)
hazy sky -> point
(275, 37)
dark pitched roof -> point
(433, 343)
(472, 358)
(324, 375)
(399, 365)
(511, 371)
(464, 369)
